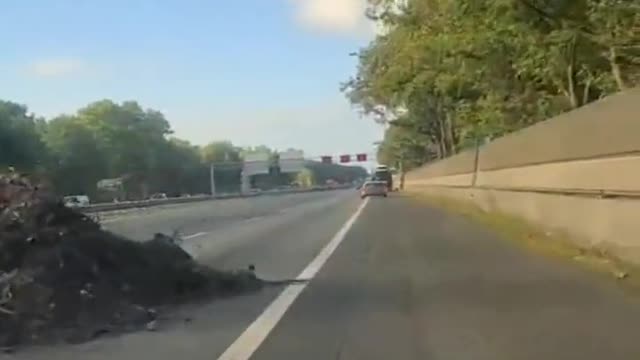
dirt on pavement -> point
(64, 279)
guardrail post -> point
(212, 180)
(476, 159)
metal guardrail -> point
(103, 207)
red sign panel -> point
(362, 157)
(326, 159)
(345, 158)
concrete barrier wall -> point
(558, 174)
(461, 163)
(607, 175)
(607, 224)
(607, 128)
(615, 175)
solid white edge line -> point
(109, 221)
(194, 235)
(249, 341)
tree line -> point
(107, 140)
(449, 74)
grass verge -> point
(548, 243)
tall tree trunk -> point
(476, 161)
(571, 75)
(615, 69)
(449, 132)
(442, 141)
(435, 146)
(586, 94)
(443, 130)
(439, 150)
(402, 175)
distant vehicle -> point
(331, 183)
(158, 196)
(76, 201)
(382, 173)
(374, 188)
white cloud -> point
(56, 67)
(333, 16)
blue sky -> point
(250, 71)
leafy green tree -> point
(228, 164)
(221, 152)
(451, 72)
(20, 144)
(181, 170)
(132, 138)
(128, 133)
(305, 178)
(78, 161)
(404, 149)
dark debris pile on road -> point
(64, 279)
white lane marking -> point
(119, 218)
(249, 341)
(110, 220)
(194, 235)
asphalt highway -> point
(381, 279)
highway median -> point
(125, 205)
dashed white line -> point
(249, 341)
(194, 235)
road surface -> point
(389, 279)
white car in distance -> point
(76, 201)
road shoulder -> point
(546, 242)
